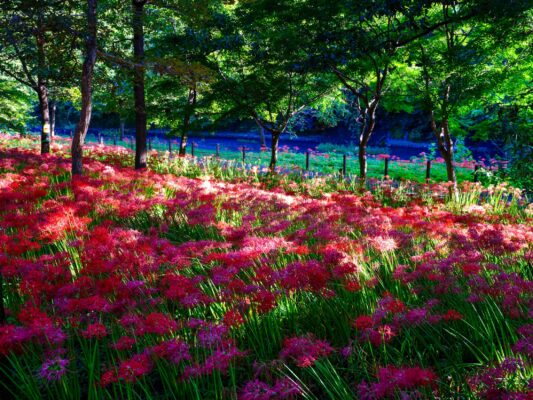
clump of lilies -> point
(127, 284)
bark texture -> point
(86, 90)
(53, 112)
(191, 103)
(42, 93)
(42, 90)
(367, 102)
(122, 128)
(141, 149)
(274, 150)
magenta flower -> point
(96, 330)
(304, 350)
(53, 369)
(393, 380)
(257, 390)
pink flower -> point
(53, 369)
(159, 324)
(363, 322)
(137, 366)
(393, 380)
(173, 350)
(304, 350)
(257, 390)
(452, 315)
(124, 343)
(96, 330)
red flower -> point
(137, 366)
(392, 380)
(233, 318)
(452, 315)
(108, 377)
(124, 343)
(96, 330)
(363, 322)
(159, 324)
(305, 350)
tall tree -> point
(31, 34)
(23, 55)
(138, 83)
(456, 64)
(262, 66)
(86, 89)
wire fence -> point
(310, 163)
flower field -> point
(149, 285)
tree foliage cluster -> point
(464, 65)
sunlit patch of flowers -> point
(123, 283)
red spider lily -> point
(96, 330)
(305, 350)
(393, 380)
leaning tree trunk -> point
(274, 151)
(138, 85)
(445, 146)
(362, 162)
(52, 110)
(183, 142)
(191, 103)
(366, 132)
(261, 134)
(86, 91)
(42, 92)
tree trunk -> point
(86, 91)
(274, 151)
(450, 170)
(191, 103)
(445, 145)
(183, 143)
(122, 128)
(53, 108)
(448, 155)
(42, 92)
(362, 163)
(366, 132)
(138, 85)
(261, 135)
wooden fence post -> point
(344, 165)
(307, 161)
(476, 169)
(218, 151)
(428, 170)
(386, 171)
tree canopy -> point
(463, 66)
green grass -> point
(330, 162)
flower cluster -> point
(182, 284)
